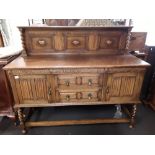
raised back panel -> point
(83, 40)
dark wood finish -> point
(148, 89)
(85, 66)
(6, 100)
(137, 41)
(137, 45)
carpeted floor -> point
(145, 124)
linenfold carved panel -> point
(32, 89)
(122, 86)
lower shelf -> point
(33, 117)
(76, 122)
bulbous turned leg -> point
(21, 120)
(15, 119)
(133, 114)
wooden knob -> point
(42, 42)
(76, 42)
(67, 97)
(90, 96)
(109, 42)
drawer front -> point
(90, 96)
(68, 81)
(67, 97)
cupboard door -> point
(32, 89)
(123, 87)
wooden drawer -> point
(65, 81)
(89, 96)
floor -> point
(145, 124)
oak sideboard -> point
(71, 66)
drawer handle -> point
(107, 90)
(109, 42)
(90, 96)
(42, 42)
(49, 91)
(90, 82)
(67, 83)
(76, 42)
(68, 97)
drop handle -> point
(107, 90)
(89, 82)
(49, 91)
(67, 83)
(90, 96)
(67, 97)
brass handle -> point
(89, 82)
(49, 91)
(107, 90)
(68, 97)
(90, 96)
(42, 42)
(67, 83)
(75, 42)
(109, 42)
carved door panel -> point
(123, 87)
(34, 89)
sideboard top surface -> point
(76, 61)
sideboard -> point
(71, 66)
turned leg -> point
(21, 120)
(15, 118)
(133, 114)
